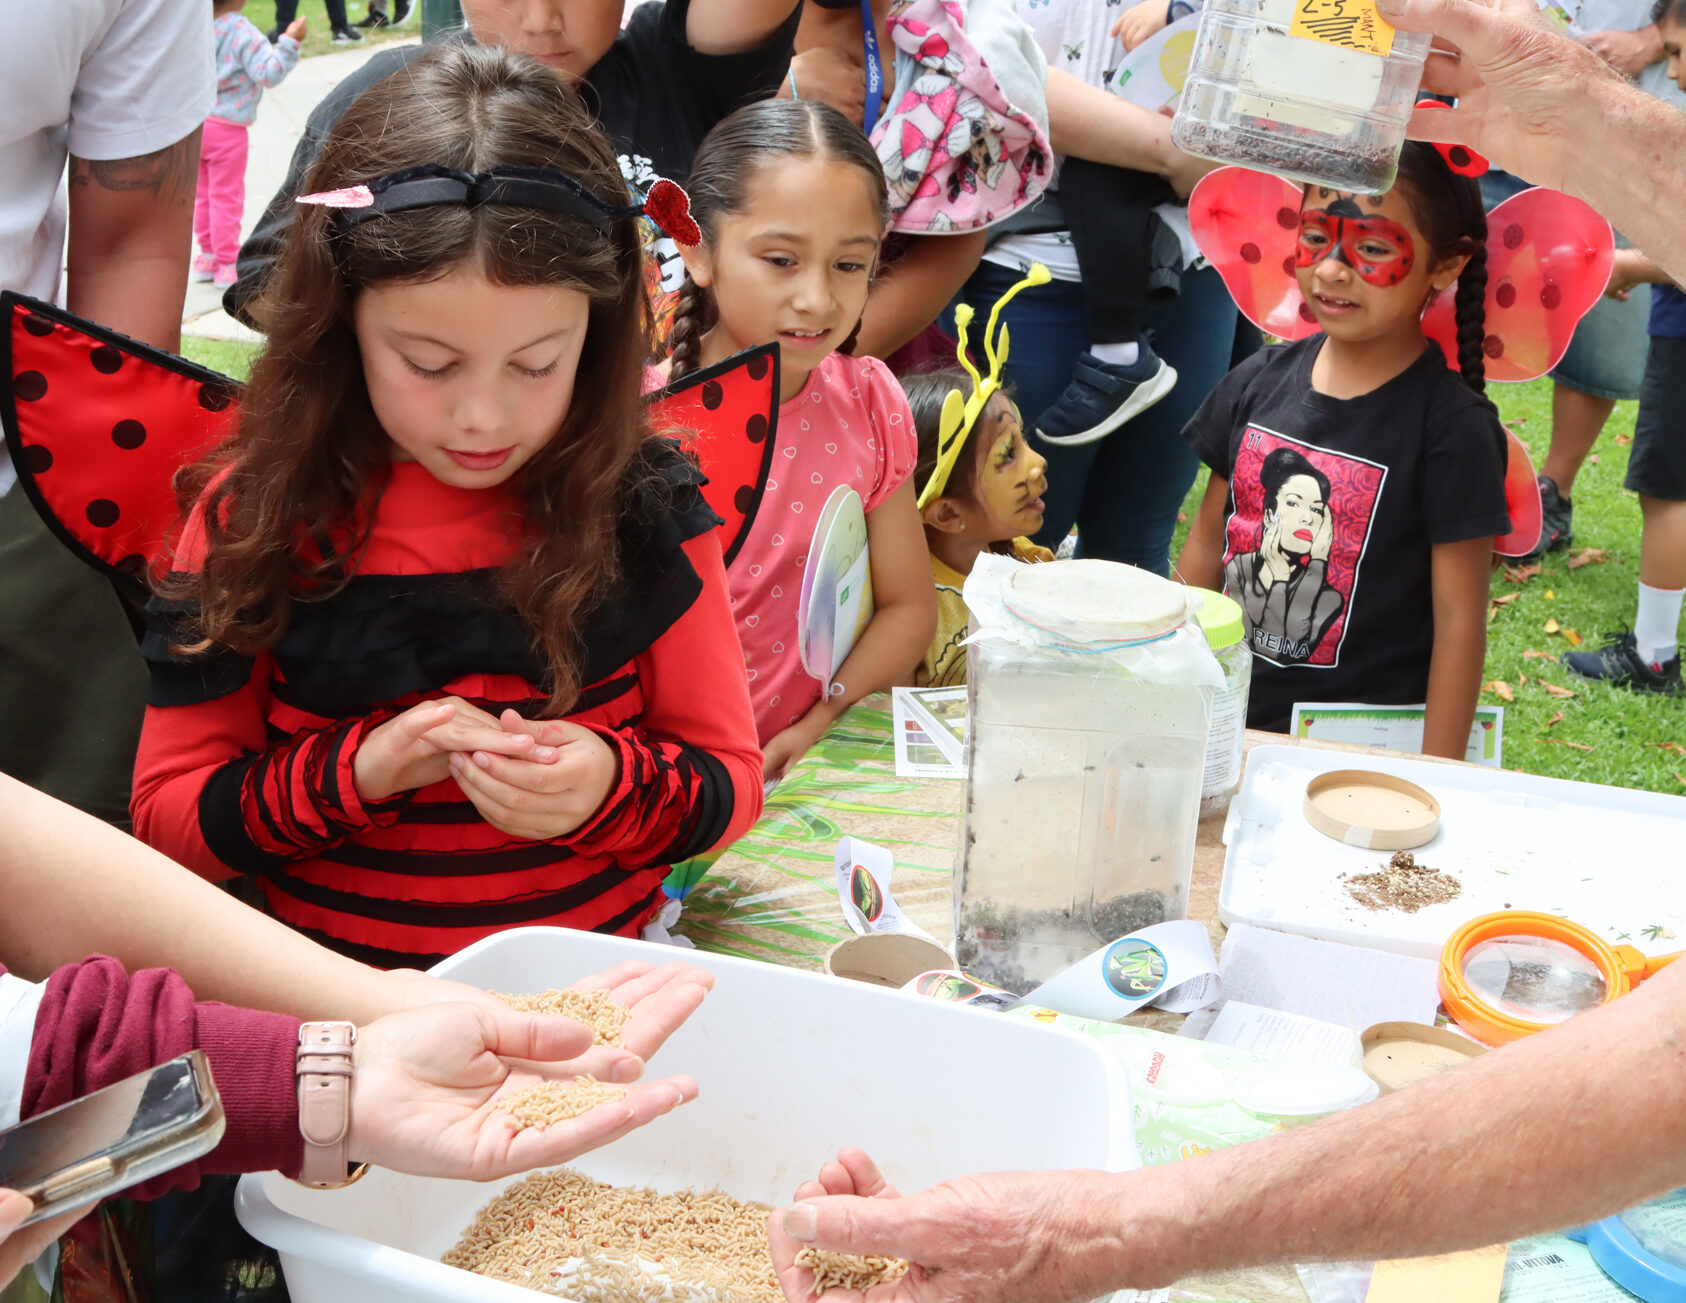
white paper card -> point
(1345, 985)
(922, 751)
(1396, 728)
(1555, 1269)
(1280, 1035)
(863, 889)
(1152, 75)
(1295, 68)
(945, 713)
(836, 601)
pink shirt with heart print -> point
(850, 424)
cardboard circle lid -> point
(1371, 809)
(1092, 601)
(886, 958)
(1399, 1054)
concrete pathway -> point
(281, 119)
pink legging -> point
(220, 203)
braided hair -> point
(693, 317)
(1450, 215)
(722, 173)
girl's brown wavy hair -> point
(287, 499)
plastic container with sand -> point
(790, 1066)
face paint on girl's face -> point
(1377, 248)
(1011, 475)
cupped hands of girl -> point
(530, 778)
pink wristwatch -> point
(324, 1073)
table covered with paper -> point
(1201, 1080)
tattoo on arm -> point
(170, 173)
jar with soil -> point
(1318, 91)
(1091, 699)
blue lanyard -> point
(874, 67)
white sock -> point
(1118, 354)
(1655, 626)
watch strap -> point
(325, 1067)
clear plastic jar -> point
(1329, 108)
(1091, 697)
(1221, 621)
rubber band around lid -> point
(1091, 649)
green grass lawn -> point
(220, 355)
(318, 38)
(1604, 735)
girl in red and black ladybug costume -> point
(445, 645)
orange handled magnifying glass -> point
(1507, 975)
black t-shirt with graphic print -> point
(655, 97)
(1334, 507)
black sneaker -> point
(401, 12)
(1619, 664)
(1104, 395)
(347, 36)
(1556, 520)
(374, 18)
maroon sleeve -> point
(97, 1025)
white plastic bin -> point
(791, 1066)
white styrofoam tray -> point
(790, 1065)
(1609, 858)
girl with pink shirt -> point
(246, 63)
(792, 204)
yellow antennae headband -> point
(960, 413)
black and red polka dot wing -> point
(97, 425)
(1548, 262)
(1246, 223)
(728, 416)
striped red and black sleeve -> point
(690, 770)
(214, 793)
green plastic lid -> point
(1220, 619)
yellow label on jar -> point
(1350, 24)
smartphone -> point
(103, 1143)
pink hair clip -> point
(666, 204)
(357, 196)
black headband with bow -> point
(666, 204)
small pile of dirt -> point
(1403, 885)
(845, 1271)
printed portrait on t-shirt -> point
(1294, 543)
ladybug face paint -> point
(1378, 249)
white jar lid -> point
(1088, 601)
